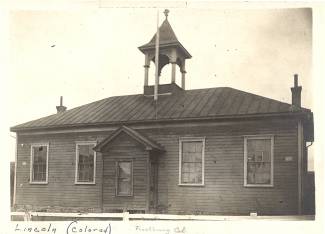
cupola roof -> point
(167, 38)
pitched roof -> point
(166, 34)
(219, 102)
(145, 141)
(167, 37)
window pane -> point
(191, 168)
(263, 170)
(124, 180)
(124, 169)
(39, 163)
(86, 150)
(188, 147)
(257, 144)
(191, 177)
(192, 147)
(267, 156)
(124, 187)
(251, 173)
(250, 157)
(258, 161)
(86, 163)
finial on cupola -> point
(166, 13)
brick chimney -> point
(296, 93)
(61, 108)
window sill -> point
(122, 195)
(191, 185)
(259, 185)
(84, 183)
(35, 182)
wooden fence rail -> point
(126, 216)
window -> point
(85, 163)
(124, 178)
(258, 159)
(39, 164)
(191, 161)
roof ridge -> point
(204, 89)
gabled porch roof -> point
(149, 144)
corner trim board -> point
(300, 154)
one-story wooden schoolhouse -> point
(202, 151)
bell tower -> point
(170, 51)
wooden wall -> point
(60, 190)
(223, 192)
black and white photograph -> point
(162, 113)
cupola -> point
(170, 51)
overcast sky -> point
(90, 55)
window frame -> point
(32, 162)
(77, 162)
(259, 137)
(190, 139)
(117, 177)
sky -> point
(95, 53)
(89, 55)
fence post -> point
(125, 216)
(27, 216)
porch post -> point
(148, 182)
(146, 70)
(183, 74)
(102, 184)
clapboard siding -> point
(222, 193)
(61, 191)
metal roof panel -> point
(199, 103)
